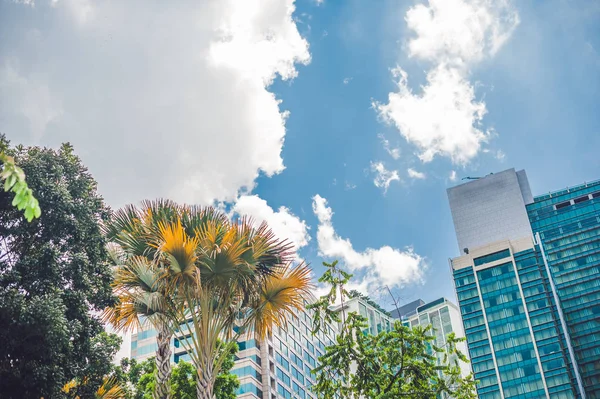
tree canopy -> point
(53, 275)
(401, 363)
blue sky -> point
(191, 103)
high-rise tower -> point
(528, 286)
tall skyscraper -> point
(528, 286)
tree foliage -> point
(139, 379)
(14, 181)
(401, 363)
(53, 273)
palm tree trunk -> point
(163, 364)
(204, 385)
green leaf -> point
(29, 214)
(19, 187)
(17, 200)
(9, 182)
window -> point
(296, 359)
(563, 205)
(247, 371)
(297, 374)
(283, 392)
(492, 257)
(281, 360)
(283, 376)
(581, 199)
(309, 359)
(249, 388)
(247, 344)
(299, 391)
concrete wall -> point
(491, 209)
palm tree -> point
(217, 278)
(138, 286)
(227, 275)
(141, 298)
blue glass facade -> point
(568, 225)
(530, 304)
(512, 330)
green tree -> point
(53, 273)
(401, 363)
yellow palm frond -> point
(281, 293)
(110, 389)
(224, 256)
(179, 250)
(123, 316)
(69, 385)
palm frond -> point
(282, 292)
(110, 389)
(179, 253)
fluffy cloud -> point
(284, 223)
(385, 265)
(444, 118)
(461, 31)
(177, 98)
(383, 177)
(415, 174)
(452, 175)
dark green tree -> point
(53, 275)
(401, 363)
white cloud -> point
(383, 177)
(394, 152)
(500, 155)
(347, 80)
(385, 265)
(182, 110)
(415, 174)
(283, 222)
(350, 186)
(443, 120)
(452, 175)
(461, 31)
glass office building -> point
(278, 367)
(377, 319)
(567, 225)
(528, 286)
